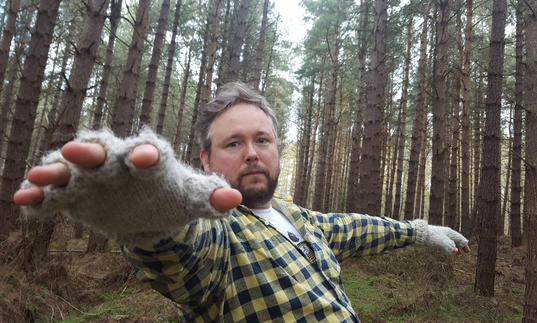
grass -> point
(420, 285)
(407, 285)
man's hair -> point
(229, 95)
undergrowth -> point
(407, 285)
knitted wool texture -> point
(438, 237)
(132, 205)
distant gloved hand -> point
(440, 237)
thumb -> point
(225, 199)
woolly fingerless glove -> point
(132, 205)
(438, 237)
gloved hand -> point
(440, 237)
(133, 205)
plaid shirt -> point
(243, 269)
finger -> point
(84, 154)
(224, 199)
(28, 197)
(466, 249)
(53, 174)
(145, 156)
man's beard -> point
(255, 198)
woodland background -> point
(416, 109)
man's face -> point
(245, 151)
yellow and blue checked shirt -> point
(242, 269)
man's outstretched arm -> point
(131, 176)
(92, 155)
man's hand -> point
(440, 237)
(93, 155)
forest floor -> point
(407, 285)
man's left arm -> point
(353, 234)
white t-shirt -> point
(280, 223)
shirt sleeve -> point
(353, 234)
(190, 267)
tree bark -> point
(515, 228)
(353, 204)
(115, 14)
(301, 186)
(417, 126)
(214, 23)
(192, 152)
(149, 93)
(8, 32)
(530, 296)
(370, 188)
(402, 123)
(256, 77)
(452, 210)
(123, 110)
(25, 111)
(440, 148)
(238, 41)
(169, 66)
(85, 56)
(466, 221)
(490, 174)
(182, 99)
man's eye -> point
(262, 140)
(233, 144)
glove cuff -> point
(422, 232)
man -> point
(262, 260)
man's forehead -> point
(241, 116)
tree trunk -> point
(370, 188)
(417, 127)
(238, 41)
(214, 23)
(478, 128)
(452, 210)
(320, 172)
(193, 151)
(440, 148)
(515, 228)
(466, 221)
(331, 121)
(402, 123)
(256, 77)
(115, 14)
(314, 132)
(227, 32)
(149, 93)
(52, 116)
(169, 67)
(123, 111)
(490, 174)
(97, 242)
(508, 171)
(8, 32)
(530, 296)
(182, 99)
(85, 56)
(419, 211)
(25, 111)
(301, 186)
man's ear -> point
(204, 156)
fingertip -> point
(29, 197)
(224, 199)
(84, 154)
(145, 156)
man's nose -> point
(251, 153)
